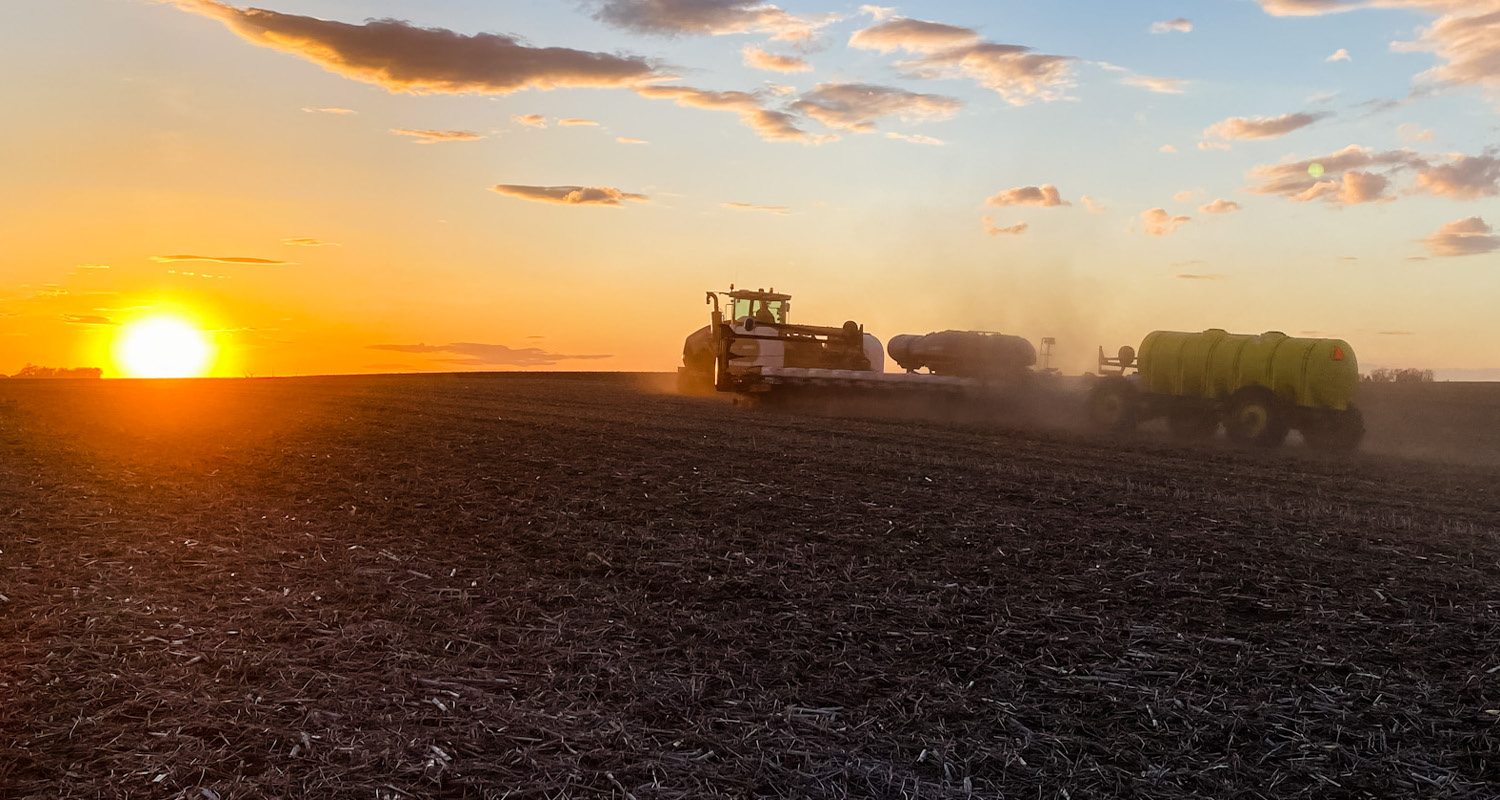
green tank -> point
(1259, 387)
(1312, 373)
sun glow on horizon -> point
(163, 347)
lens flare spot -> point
(163, 347)
(1315, 169)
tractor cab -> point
(762, 306)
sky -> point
(340, 186)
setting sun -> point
(163, 347)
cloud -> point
(1411, 132)
(1093, 206)
(1305, 8)
(878, 12)
(708, 17)
(760, 59)
(782, 210)
(329, 110)
(578, 122)
(859, 106)
(1466, 178)
(1208, 276)
(221, 259)
(1184, 195)
(995, 230)
(477, 354)
(915, 138)
(401, 57)
(429, 136)
(1339, 55)
(88, 319)
(530, 120)
(1167, 148)
(1346, 176)
(1236, 128)
(1465, 237)
(569, 195)
(628, 140)
(1045, 196)
(770, 125)
(1016, 73)
(1158, 85)
(1395, 333)
(1220, 206)
(1159, 223)
(1180, 25)
(93, 266)
(302, 242)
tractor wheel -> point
(1113, 406)
(1192, 424)
(1338, 432)
(1256, 418)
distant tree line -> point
(1407, 375)
(33, 371)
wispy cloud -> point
(1411, 132)
(1184, 195)
(529, 120)
(429, 136)
(708, 18)
(1045, 196)
(1158, 85)
(1016, 73)
(88, 319)
(995, 230)
(1207, 276)
(331, 110)
(628, 140)
(1465, 178)
(915, 138)
(860, 106)
(480, 355)
(1220, 206)
(783, 210)
(1352, 175)
(1465, 237)
(304, 242)
(772, 62)
(1239, 128)
(221, 259)
(569, 195)
(1179, 25)
(1339, 55)
(1093, 206)
(1159, 223)
(401, 57)
(575, 122)
(771, 125)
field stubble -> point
(539, 586)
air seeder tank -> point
(1311, 373)
(965, 354)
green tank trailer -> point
(1259, 387)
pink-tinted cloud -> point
(575, 122)
(221, 259)
(1093, 206)
(1236, 128)
(1465, 237)
(306, 242)
(1016, 73)
(529, 120)
(329, 110)
(1179, 25)
(708, 18)
(1158, 222)
(569, 195)
(429, 136)
(995, 230)
(1465, 178)
(1339, 55)
(401, 57)
(1354, 174)
(769, 124)
(1045, 196)
(1220, 206)
(779, 210)
(859, 106)
(1158, 85)
(628, 140)
(771, 62)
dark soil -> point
(545, 586)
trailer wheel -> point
(1256, 418)
(1337, 432)
(1113, 406)
(1192, 424)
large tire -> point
(1192, 424)
(1113, 406)
(1257, 418)
(1336, 432)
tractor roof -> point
(746, 294)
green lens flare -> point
(1315, 169)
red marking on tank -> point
(1338, 354)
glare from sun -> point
(163, 347)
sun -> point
(163, 347)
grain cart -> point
(1257, 387)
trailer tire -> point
(1257, 418)
(1113, 406)
(1336, 432)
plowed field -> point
(546, 586)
